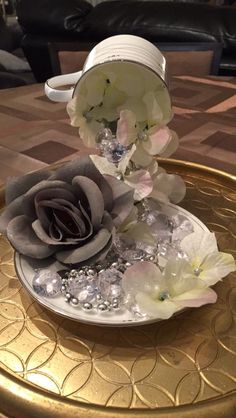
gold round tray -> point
(184, 367)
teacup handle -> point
(61, 95)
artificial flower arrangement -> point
(103, 217)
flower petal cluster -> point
(159, 294)
(139, 180)
(135, 99)
(71, 213)
(184, 282)
(207, 263)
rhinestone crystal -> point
(46, 283)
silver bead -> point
(63, 281)
(80, 272)
(87, 306)
(99, 297)
(102, 307)
(74, 301)
(67, 299)
(115, 300)
(127, 264)
(115, 264)
(151, 258)
(91, 272)
(63, 288)
(107, 303)
(73, 273)
(115, 305)
(68, 295)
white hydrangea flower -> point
(208, 264)
(161, 295)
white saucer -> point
(25, 268)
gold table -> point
(184, 367)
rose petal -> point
(100, 255)
(47, 239)
(107, 221)
(155, 308)
(78, 255)
(142, 183)
(122, 200)
(94, 196)
(85, 167)
(142, 277)
(51, 194)
(12, 210)
(29, 197)
(25, 241)
(20, 185)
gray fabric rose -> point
(70, 213)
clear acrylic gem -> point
(109, 284)
(76, 284)
(104, 135)
(181, 227)
(166, 251)
(109, 146)
(46, 283)
(128, 249)
(85, 296)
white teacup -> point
(115, 53)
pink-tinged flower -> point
(158, 140)
(161, 295)
(70, 214)
(208, 264)
(167, 187)
(139, 180)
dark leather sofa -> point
(46, 22)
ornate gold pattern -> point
(183, 361)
